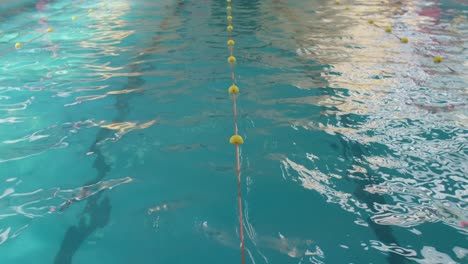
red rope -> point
(238, 166)
(25, 43)
(235, 114)
(239, 201)
(238, 169)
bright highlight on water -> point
(260, 131)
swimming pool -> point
(115, 126)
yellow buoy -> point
(104, 4)
(347, 8)
(228, 8)
(91, 10)
(337, 2)
(232, 59)
(73, 18)
(230, 42)
(404, 40)
(236, 139)
(230, 28)
(388, 29)
(233, 89)
(229, 18)
(18, 45)
(370, 21)
(229, 1)
(438, 59)
(50, 30)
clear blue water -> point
(114, 132)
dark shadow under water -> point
(352, 151)
(97, 211)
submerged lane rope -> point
(235, 139)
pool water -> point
(114, 132)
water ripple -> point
(352, 136)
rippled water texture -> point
(114, 132)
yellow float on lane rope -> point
(232, 59)
(236, 139)
(438, 59)
(404, 40)
(233, 89)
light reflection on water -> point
(353, 138)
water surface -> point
(114, 132)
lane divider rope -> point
(19, 45)
(236, 139)
(404, 40)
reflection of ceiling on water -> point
(360, 84)
(379, 74)
(342, 38)
(106, 23)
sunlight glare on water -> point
(114, 131)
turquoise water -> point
(114, 132)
